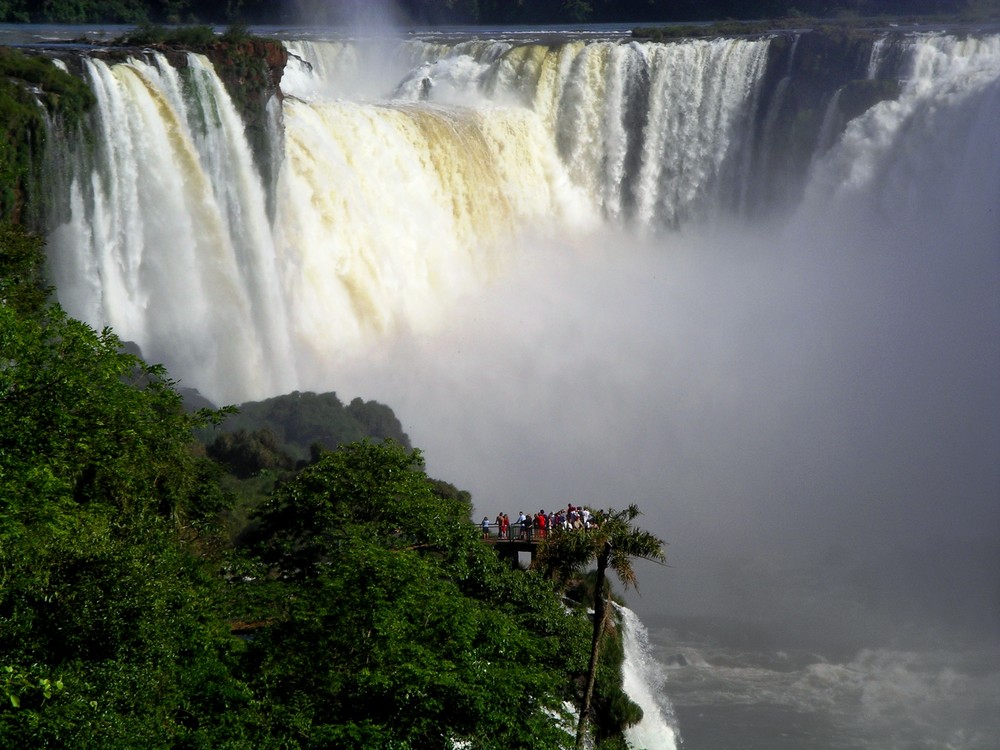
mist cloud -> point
(804, 414)
(361, 16)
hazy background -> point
(807, 411)
(813, 430)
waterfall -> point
(167, 238)
(875, 59)
(386, 211)
(645, 129)
(700, 92)
(936, 127)
(829, 129)
(412, 174)
(645, 683)
(408, 206)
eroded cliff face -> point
(45, 90)
(815, 83)
(34, 94)
(252, 69)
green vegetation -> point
(83, 11)
(266, 442)
(22, 285)
(103, 620)
(613, 543)
(300, 421)
(401, 603)
(358, 608)
(26, 82)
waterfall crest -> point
(410, 175)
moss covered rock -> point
(32, 89)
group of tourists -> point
(537, 526)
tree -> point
(613, 543)
(86, 423)
(244, 453)
(22, 286)
(378, 490)
(109, 635)
(382, 590)
(300, 420)
(577, 10)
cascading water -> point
(592, 270)
(644, 681)
(168, 239)
(386, 209)
(390, 209)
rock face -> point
(815, 82)
(251, 69)
(33, 93)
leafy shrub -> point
(149, 35)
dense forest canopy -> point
(467, 11)
(300, 421)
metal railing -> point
(516, 532)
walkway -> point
(515, 542)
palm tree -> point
(613, 544)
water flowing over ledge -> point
(407, 175)
(644, 681)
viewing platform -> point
(514, 542)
